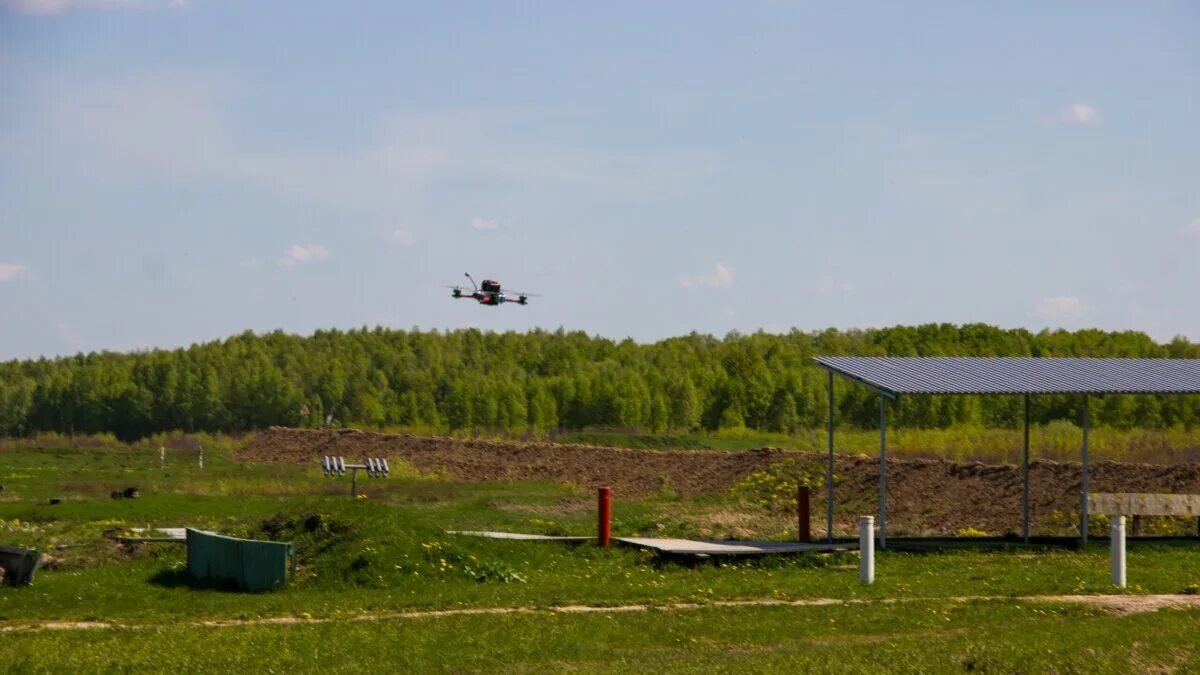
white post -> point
(201, 457)
(1118, 551)
(162, 457)
(866, 549)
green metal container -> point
(19, 564)
(247, 564)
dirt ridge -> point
(925, 496)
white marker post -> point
(201, 457)
(162, 457)
(1118, 551)
(866, 550)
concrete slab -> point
(700, 549)
(172, 532)
(734, 548)
(516, 536)
(167, 534)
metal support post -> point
(1025, 477)
(604, 529)
(829, 469)
(803, 519)
(882, 472)
(1083, 486)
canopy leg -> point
(829, 470)
(1025, 478)
(1083, 489)
(882, 472)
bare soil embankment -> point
(925, 496)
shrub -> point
(774, 488)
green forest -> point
(540, 381)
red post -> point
(605, 530)
(803, 521)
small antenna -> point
(468, 275)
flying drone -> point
(488, 293)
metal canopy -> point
(892, 376)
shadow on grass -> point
(174, 577)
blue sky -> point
(173, 172)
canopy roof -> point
(893, 376)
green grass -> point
(1059, 441)
(918, 637)
(389, 552)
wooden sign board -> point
(1143, 504)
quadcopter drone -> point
(488, 293)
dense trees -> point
(540, 381)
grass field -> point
(375, 572)
(1059, 441)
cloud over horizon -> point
(298, 253)
(402, 237)
(11, 271)
(720, 277)
(1059, 307)
(53, 7)
(1079, 114)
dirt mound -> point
(629, 471)
(925, 496)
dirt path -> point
(1116, 604)
(1126, 604)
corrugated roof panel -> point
(1012, 375)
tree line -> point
(542, 381)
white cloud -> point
(69, 337)
(52, 7)
(829, 285)
(720, 277)
(1192, 230)
(11, 271)
(180, 127)
(303, 254)
(1059, 307)
(401, 237)
(1080, 114)
(484, 224)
